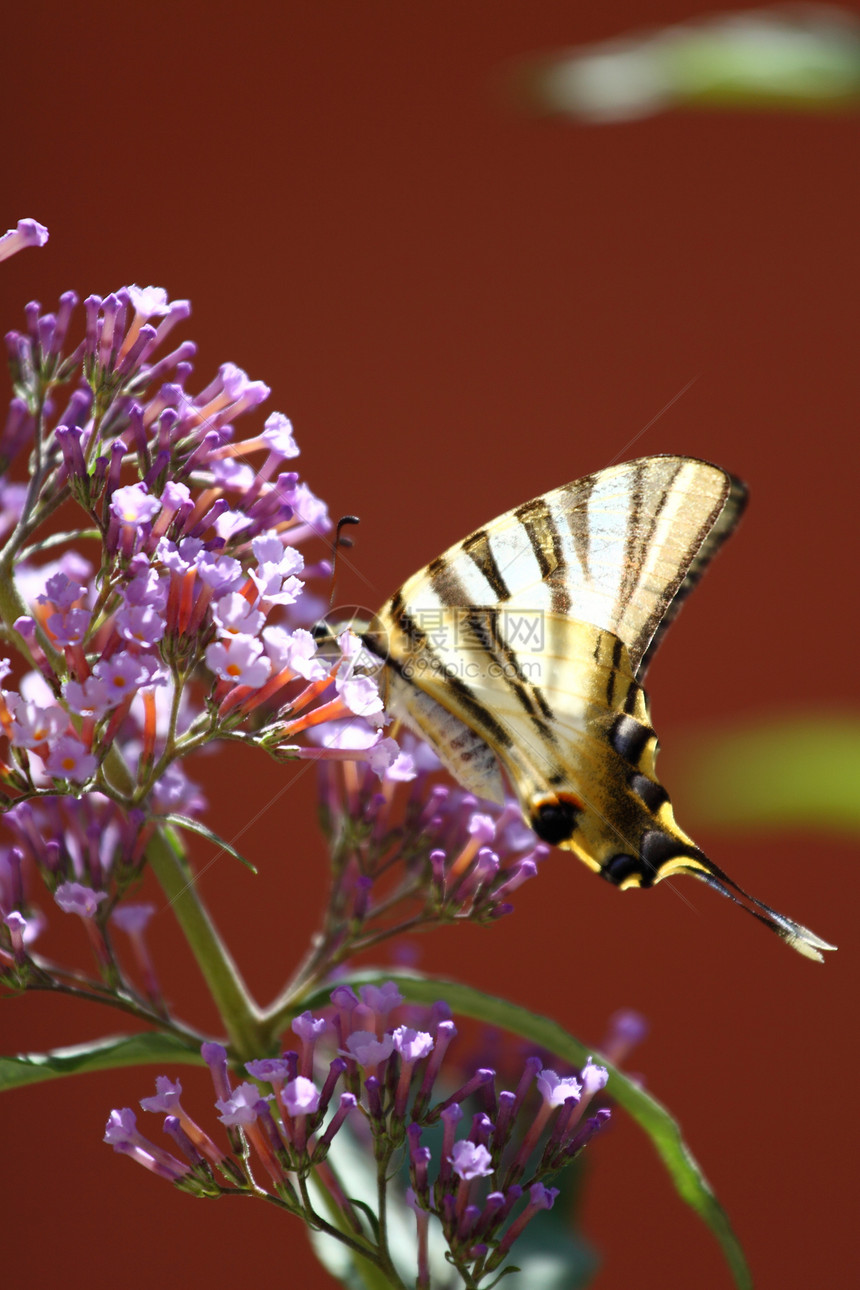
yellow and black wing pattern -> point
(518, 655)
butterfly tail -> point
(800, 938)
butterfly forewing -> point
(613, 549)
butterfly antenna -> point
(340, 543)
(800, 938)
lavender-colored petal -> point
(74, 898)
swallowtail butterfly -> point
(519, 656)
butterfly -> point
(519, 654)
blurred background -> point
(461, 305)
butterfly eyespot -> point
(554, 821)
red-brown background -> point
(460, 308)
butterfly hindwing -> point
(566, 720)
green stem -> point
(120, 1002)
(236, 1007)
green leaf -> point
(789, 774)
(145, 1049)
(195, 826)
(648, 1113)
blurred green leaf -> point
(789, 58)
(781, 773)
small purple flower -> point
(308, 1027)
(75, 898)
(28, 232)
(230, 524)
(215, 1057)
(556, 1090)
(90, 699)
(62, 592)
(132, 917)
(271, 554)
(240, 1108)
(626, 1029)
(237, 386)
(380, 998)
(174, 791)
(220, 572)
(367, 1050)
(122, 674)
(69, 628)
(241, 662)
(347, 1103)
(235, 617)
(167, 1095)
(140, 625)
(34, 726)
(482, 827)
(542, 1197)
(147, 588)
(470, 1161)
(233, 475)
(274, 579)
(294, 650)
(270, 1070)
(278, 435)
(148, 302)
(133, 505)
(69, 759)
(301, 1096)
(121, 1126)
(310, 510)
(387, 761)
(122, 1134)
(16, 924)
(412, 1045)
(12, 495)
(360, 694)
(594, 1079)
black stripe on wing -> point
(580, 530)
(478, 549)
(542, 532)
(479, 716)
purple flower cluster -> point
(482, 1187)
(199, 567)
(454, 855)
(187, 626)
(88, 852)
